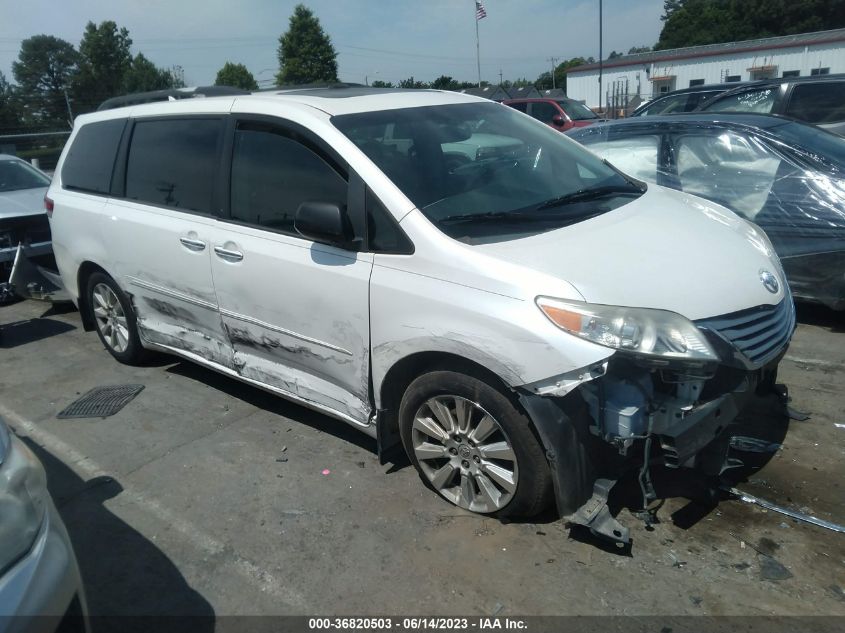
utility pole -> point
(601, 62)
(69, 111)
(500, 76)
(553, 61)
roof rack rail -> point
(316, 84)
(170, 94)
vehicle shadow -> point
(273, 404)
(28, 331)
(821, 316)
(130, 584)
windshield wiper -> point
(517, 217)
(478, 217)
(593, 193)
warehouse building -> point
(631, 79)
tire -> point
(462, 462)
(114, 319)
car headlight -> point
(23, 498)
(653, 333)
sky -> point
(375, 39)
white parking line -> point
(192, 534)
(811, 361)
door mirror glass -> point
(558, 120)
(323, 222)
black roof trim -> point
(169, 94)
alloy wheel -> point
(111, 319)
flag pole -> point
(477, 47)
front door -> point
(296, 311)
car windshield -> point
(830, 148)
(16, 175)
(473, 165)
(577, 111)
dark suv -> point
(818, 99)
(561, 114)
(684, 100)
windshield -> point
(16, 175)
(577, 111)
(830, 148)
(472, 164)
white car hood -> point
(666, 249)
(14, 204)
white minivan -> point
(530, 323)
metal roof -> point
(725, 48)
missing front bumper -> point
(29, 280)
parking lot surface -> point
(205, 496)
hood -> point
(666, 249)
(14, 204)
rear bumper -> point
(44, 586)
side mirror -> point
(558, 120)
(323, 222)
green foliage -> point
(10, 110)
(544, 81)
(104, 60)
(696, 22)
(378, 83)
(144, 76)
(638, 49)
(43, 73)
(445, 82)
(236, 76)
(614, 55)
(410, 82)
(306, 54)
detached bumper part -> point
(31, 281)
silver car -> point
(40, 584)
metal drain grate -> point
(101, 402)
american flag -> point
(479, 10)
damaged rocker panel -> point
(140, 283)
(281, 330)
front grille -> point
(27, 229)
(758, 333)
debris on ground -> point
(772, 569)
(326, 471)
(795, 414)
(754, 445)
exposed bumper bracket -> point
(596, 516)
(31, 281)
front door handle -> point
(227, 255)
(192, 245)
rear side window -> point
(272, 174)
(522, 107)
(90, 160)
(758, 101)
(543, 111)
(172, 163)
(818, 102)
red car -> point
(561, 114)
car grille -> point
(758, 333)
(27, 229)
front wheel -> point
(473, 446)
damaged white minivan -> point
(432, 268)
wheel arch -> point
(86, 269)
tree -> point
(306, 54)
(236, 76)
(378, 83)
(410, 82)
(104, 60)
(614, 55)
(638, 49)
(697, 22)
(143, 76)
(444, 82)
(10, 111)
(544, 81)
(43, 72)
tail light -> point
(48, 205)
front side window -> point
(172, 163)
(543, 111)
(521, 106)
(758, 101)
(668, 105)
(732, 169)
(16, 175)
(273, 174)
(576, 110)
(482, 169)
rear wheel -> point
(472, 445)
(114, 318)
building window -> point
(696, 82)
(733, 78)
(820, 71)
(791, 73)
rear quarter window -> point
(818, 102)
(90, 160)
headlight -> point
(23, 499)
(657, 333)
